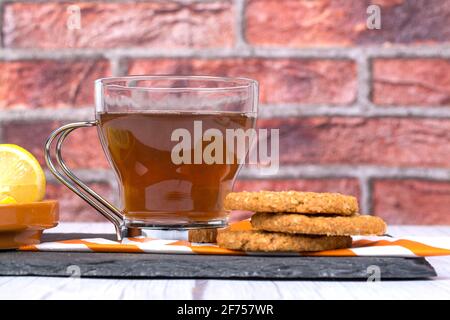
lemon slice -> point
(7, 200)
(21, 176)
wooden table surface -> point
(76, 288)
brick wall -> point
(364, 112)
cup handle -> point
(71, 181)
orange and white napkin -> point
(362, 246)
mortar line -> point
(305, 171)
(114, 62)
(97, 1)
(439, 51)
(266, 112)
(47, 114)
(243, 51)
(91, 176)
(364, 173)
(364, 76)
(365, 186)
(2, 8)
(86, 175)
(113, 185)
(123, 65)
(239, 25)
(354, 110)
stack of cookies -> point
(297, 221)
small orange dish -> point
(23, 223)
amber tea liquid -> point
(155, 190)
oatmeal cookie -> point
(254, 240)
(202, 235)
(319, 225)
(292, 201)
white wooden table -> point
(71, 288)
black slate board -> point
(128, 265)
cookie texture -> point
(292, 201)
(331, 226)
(202, 235)
(254, 240)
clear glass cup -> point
(173, 143)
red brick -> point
(306, 81)
(49, 83)
(411, 82)
(343, 23)
(375, 141)
(72, 207)
(164, 24)
(412, 201)
(315, 140)
(388, 141)
(82, 148)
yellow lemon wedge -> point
(7, 200)
(21, 176)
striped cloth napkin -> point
(362, 246)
